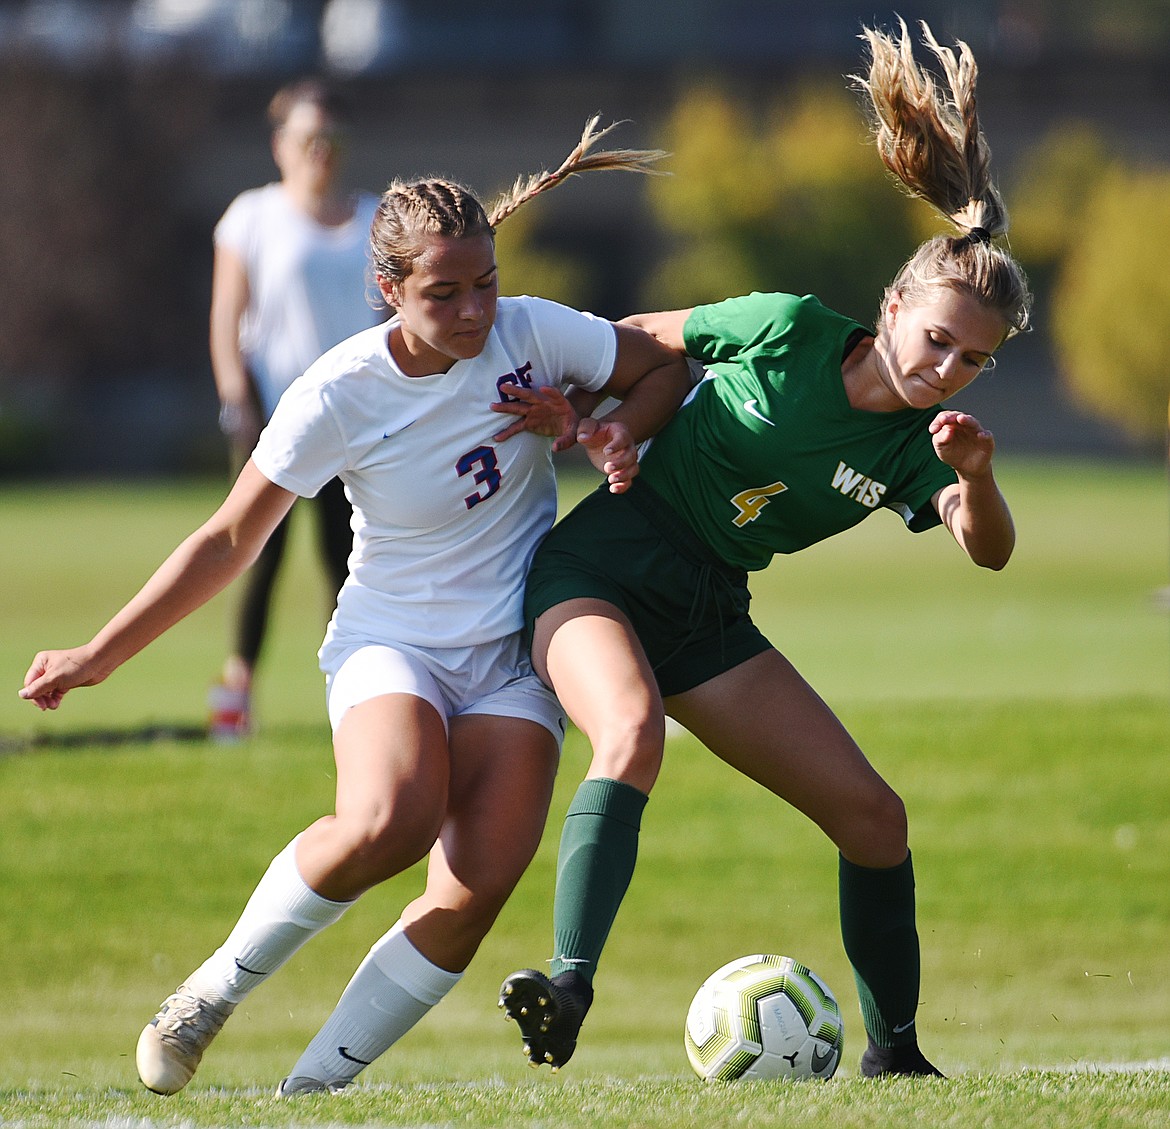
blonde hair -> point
(408, 212)
(929, 137)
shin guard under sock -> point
(599, 847)
(881, 942)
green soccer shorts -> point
(688, 608)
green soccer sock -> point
(599, 846)
(881, 942)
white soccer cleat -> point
(173, 1042)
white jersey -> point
(446, 520)
(307, 283)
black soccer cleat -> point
(891, 1062)
(548, 1012)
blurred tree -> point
(527, 267)
(1094, 233)
(1054, 183)
(1110, 303)
(1120, 28)
(95, 270)
(789, 198)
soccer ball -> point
(764, 1016)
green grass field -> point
(1024, 716)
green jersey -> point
(766, 455)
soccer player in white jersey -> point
(445, 742)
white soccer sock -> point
(281, 915)
(393, 988)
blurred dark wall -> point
(106, 214)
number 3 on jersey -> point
(487, 474)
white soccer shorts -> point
(493, 678)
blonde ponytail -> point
(929, 137)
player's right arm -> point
(649, 379)
(203, 565)
(230, 294)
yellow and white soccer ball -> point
(764, 1016)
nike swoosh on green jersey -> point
(749, 406)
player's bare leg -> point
(765, 720)
(392, 784)
(502, 772)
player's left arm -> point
(973, 509)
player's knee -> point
(480, 906)
(875, 832)
(494, 885)
(630, 749)
(383, 842)
(891, 828)
(466, 911)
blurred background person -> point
(289, 281)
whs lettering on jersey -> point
(853, 484)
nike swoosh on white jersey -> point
(749, 406)
(398, 430)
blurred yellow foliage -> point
(526, 269)
(1054, 184)
(784, 196)
(1111, 305)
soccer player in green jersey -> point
(807, 423)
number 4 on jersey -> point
(750, 503)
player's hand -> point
(240, 421)
(54, 673)
(543, 411)
(962, 442)
(612, 450)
